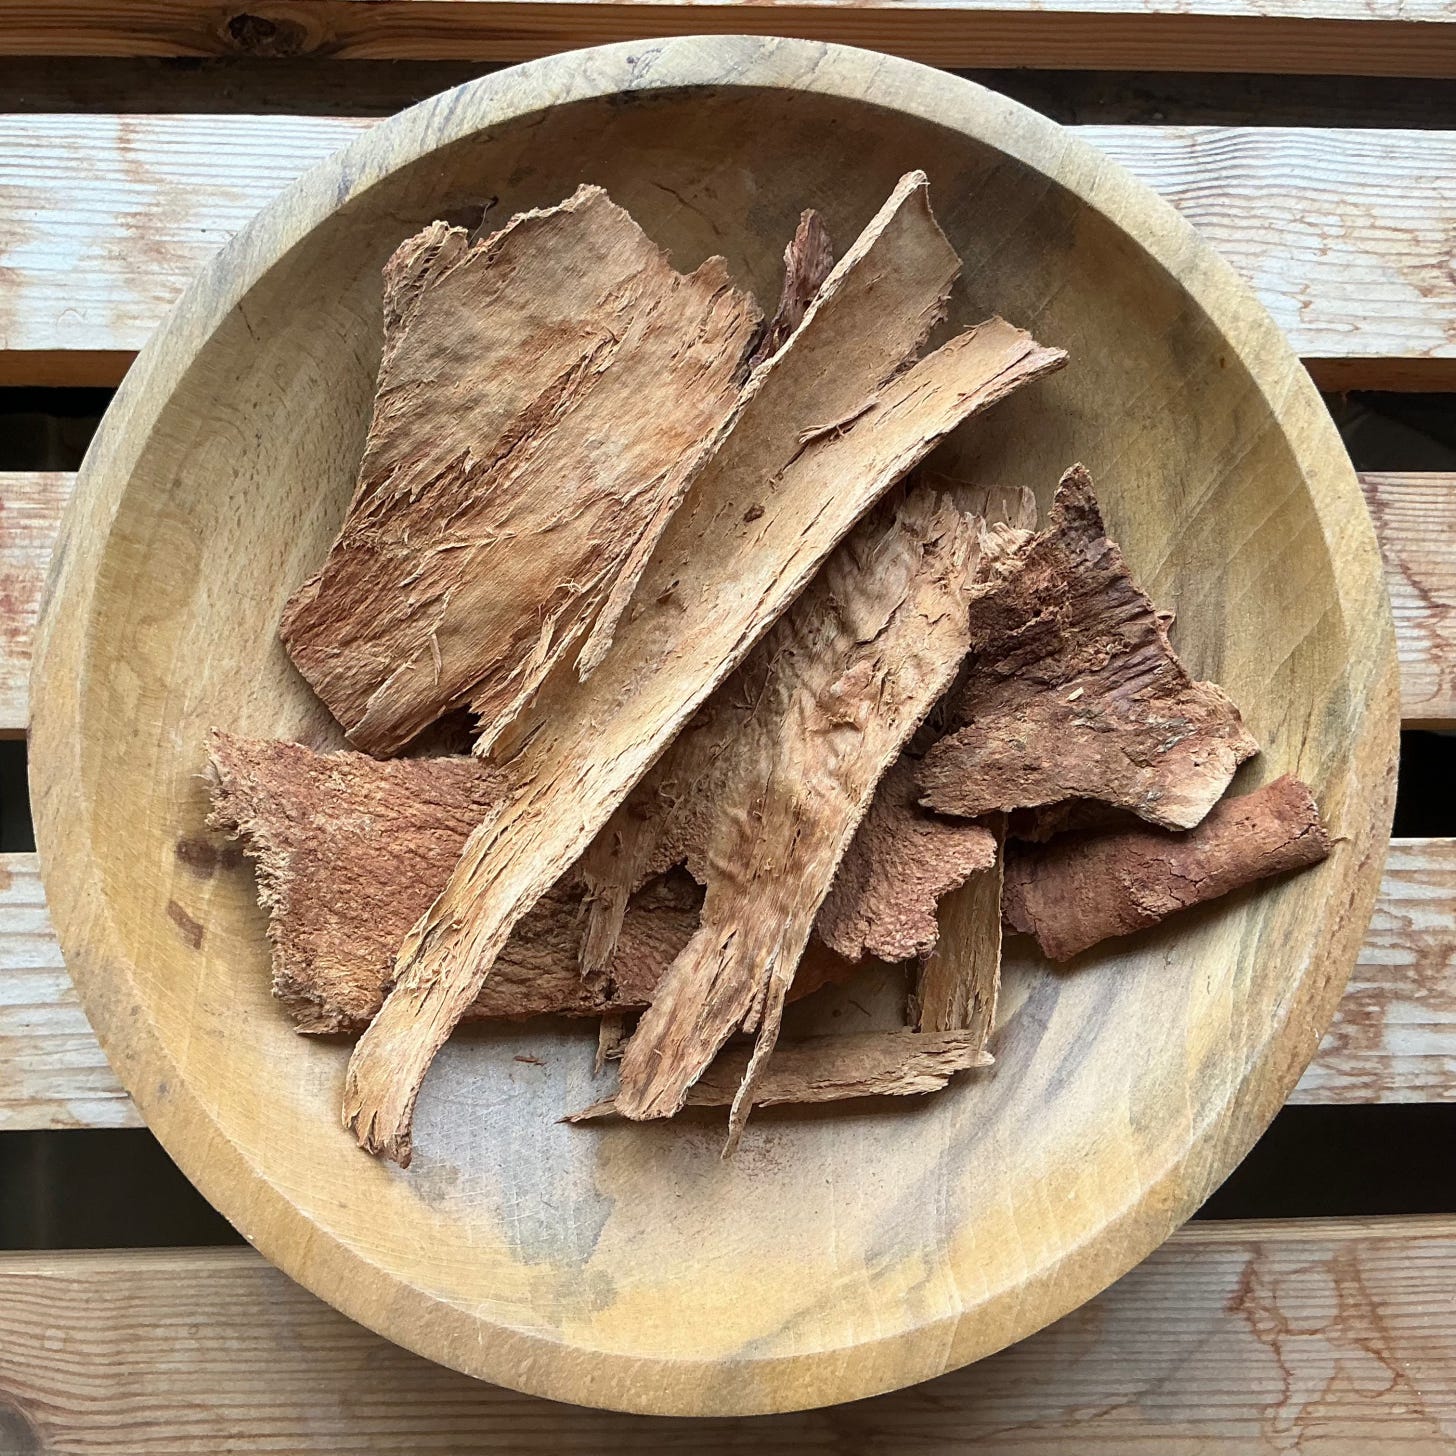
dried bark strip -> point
(808, 261)
(489, 526)
(821, 433)
(1075, 691)
(831, 1069)
(959, 982)
(349, 851)
(1082, 889)
(835, 690)
(904, 859)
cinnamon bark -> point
(1084, 888)
(831, 1069)
(489, 526)
(1074, 691)
(802, 734)
(894, 874)
(349, 851)
(823, 429)
(808, 260)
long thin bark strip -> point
(832, 1069)
(1082, 889)
(836, 689)
(959, 982)
(349, 851)
(489, 525)
(1074, 691)
(821, 435)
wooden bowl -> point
(840, 1254)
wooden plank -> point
(1334, 1336)
(30, 515)
(1394, 1039)
(1415, 518)
(1337, 37)
(1344, 233)
(52, 1072)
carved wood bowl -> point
(843, 1252)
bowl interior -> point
(1121, 1090)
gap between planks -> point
(1393, 1039)
(1337, 1334)
(1344, 233)
(1333, 37)
(1415, 519)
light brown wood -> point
(1342, 232)
(1339, 37)
(1335, 1337)
(30, 515)
(1393, 1038)
(220, 476)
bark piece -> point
(831, 1069)
(822, 430)
(808, 260)
(901, 862)
(806, 729)
(1084, 888)
(1074, 691)
(490, 522)
(349, 852)
(959, 982)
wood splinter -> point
(1081, 889)
(831, 1069)
(734, 555)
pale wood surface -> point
(1343, 233)
(30, 515)
(1393, 1038)
(557, 1265)
(1415, 521)
(1341, 37)
(1331, 1337)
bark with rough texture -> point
(1082, 888)
(824, 429)
(901, 863)
(349, 851)
(831, 1069)
(490, 525)
(806, 730)
(808, 261)
(1074, 691)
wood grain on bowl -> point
(624, 1266)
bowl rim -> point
(427, 1323)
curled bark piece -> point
(807, 728)
(808, 260)
(349, 852)
(822, 431)
(901, 862)
(831, 1069)
(489, 527)
(959, 982)
(1081, 889)
(1074, 691)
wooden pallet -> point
(1271, 1336)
